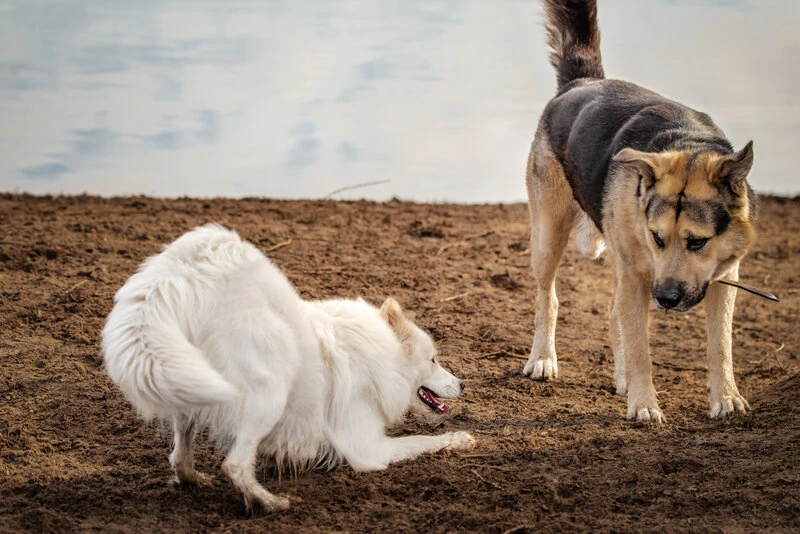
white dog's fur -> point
(210, 334)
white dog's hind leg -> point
(239, 465)
(260, 415)
(182, 457)
(723, 394)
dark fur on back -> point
(573, 35)
(591, 118)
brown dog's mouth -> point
(431, 400)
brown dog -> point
(658, 184)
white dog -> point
(210, 334)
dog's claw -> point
(541, 368)
(646, 413)
(729, 404)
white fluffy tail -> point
(158, 369)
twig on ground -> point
(279, 245)
(487, 466)
(454, 297)
(495, 485)
(356, 186)
(520, 528)
(677, 367)
(775, 354)
(498, 353)
(463, 241)
(76, 286)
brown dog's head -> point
(699, 213)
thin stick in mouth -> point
(747, 287)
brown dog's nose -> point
(668, 295)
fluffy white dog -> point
(209, 334)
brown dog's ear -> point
(393, 314)
(732, 170)
(644, 162)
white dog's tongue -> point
(427, 396)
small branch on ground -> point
(356, 186)
(454, 297)
(775, 354)
(463, 241)
(279, 245)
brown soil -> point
(550, 456)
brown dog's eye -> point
(694, 245)
(659, 242)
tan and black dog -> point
(658, 184)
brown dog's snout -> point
(668, 294)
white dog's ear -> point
(392, 313)
(361, 300)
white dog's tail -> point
(158, 369)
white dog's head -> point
(430, 379)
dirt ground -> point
(555, 456)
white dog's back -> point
(170, 339)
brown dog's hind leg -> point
(552, 212)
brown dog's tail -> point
(573, 35)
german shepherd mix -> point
(658, 184)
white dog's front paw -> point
(541, 368)
(645, 411)
(461, 441)
(729, 404)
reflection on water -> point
(300, 98)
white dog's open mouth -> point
(429, 397)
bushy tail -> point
(160, 372)
(573, 35)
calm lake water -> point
(298, 98)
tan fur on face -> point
(685, 179)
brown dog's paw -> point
(729, 404)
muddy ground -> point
(554, 456)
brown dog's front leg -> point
(631, 301)
(723, 396)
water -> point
(298, 98)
